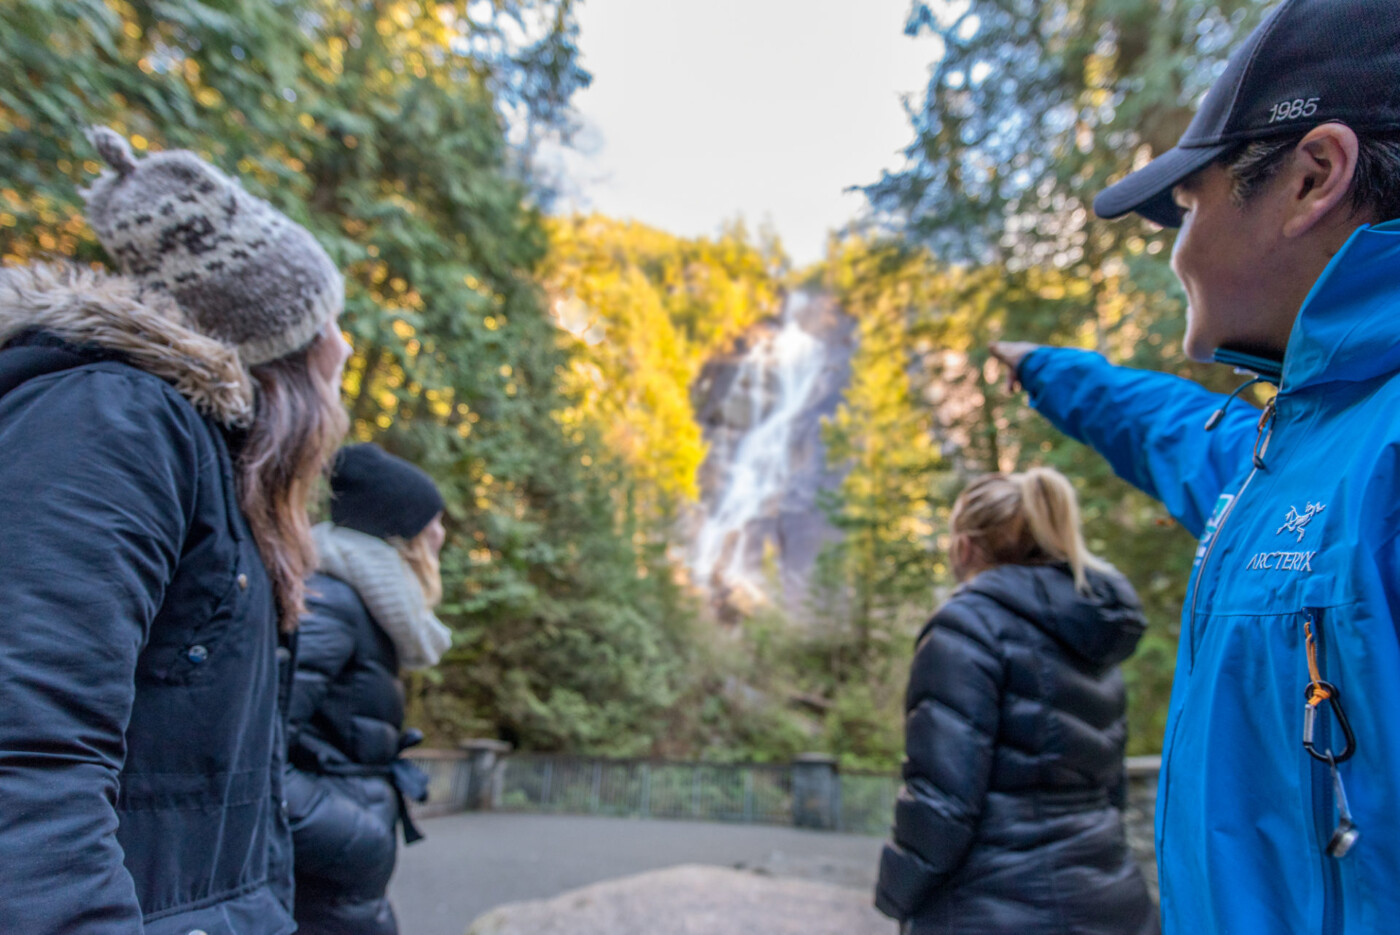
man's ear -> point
(1319, 176)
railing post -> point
(645, 806)
(695, 792)
(816, 791)
(548, 781)
(595, 798)
(485, 760)
(748, 795)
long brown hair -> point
(298, 421)
(1025, 519)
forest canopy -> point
(541, 365)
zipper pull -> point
(1346, 834)
(1266, 432)
(1218, 415)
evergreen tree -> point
(880, 580)
(882, 440)
(384, 127)
(1034, 108)
(649, 309)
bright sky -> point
(702, 110)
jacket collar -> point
(108, 313)
(389, 589)
(1348, 329)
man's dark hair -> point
(1375, 188)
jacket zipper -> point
(1265, 420)
(1191, 636)
(1261, 445)
(1322, 804)
(1205, 560)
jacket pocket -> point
(199, 609)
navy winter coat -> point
(346, 735)
(1009, 818)
(140, 737)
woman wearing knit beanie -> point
(161, 430)
(370, 614)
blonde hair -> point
(1028, 518)
(423, 559)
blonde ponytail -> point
(1052, 516)
(1024, 519)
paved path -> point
(473, 862)
(693, 900)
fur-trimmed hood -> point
(86, 307)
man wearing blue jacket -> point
(1279, 802)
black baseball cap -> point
(1310, 62)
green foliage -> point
(542, 369)
(883, 438)
(380, 126)
(1035, 105)
(650, 309)
(865, 726)
(1033, 109)
(876, 583)
(734, 701)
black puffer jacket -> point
(1009, 817)
(346, 723)
(140, 740)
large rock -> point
(693, 900)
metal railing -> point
(865, 802)
(810, 792)
(449, 782)
(646, 789)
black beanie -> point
(381, 495)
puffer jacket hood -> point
(1102, 627)
(103, 312)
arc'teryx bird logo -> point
(1298, 522)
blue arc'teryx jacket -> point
(1308, 539)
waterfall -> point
(778, 376)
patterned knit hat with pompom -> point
(240, 269)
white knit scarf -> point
(389, 588)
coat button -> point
(243, 582)
(283, 654)
(198, 932)
(196, 654)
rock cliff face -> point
(761, 406)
